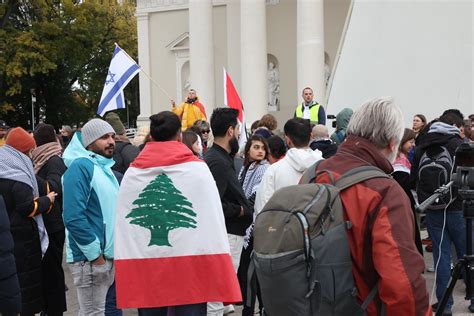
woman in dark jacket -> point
(10, 298)
(401, 174)
(49, 167)
(25, 208)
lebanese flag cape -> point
(171, 245)
(232, 100)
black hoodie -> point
(433, 142)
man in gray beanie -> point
(89, 198)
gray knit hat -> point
(93, 130)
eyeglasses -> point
(206, 131)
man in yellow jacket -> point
(189, 111)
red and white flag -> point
(232, 100)
(171, 245)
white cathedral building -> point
(348, 51)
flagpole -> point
(144, 72)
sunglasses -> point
(206, 131)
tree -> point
(162, 208)
(61, 49)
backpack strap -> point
(369, 297)
(310, 174)
(359, 174)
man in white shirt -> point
(289, 170)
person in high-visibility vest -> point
(310, 109)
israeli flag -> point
(122, 69)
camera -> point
(464, 176)
(332, 117)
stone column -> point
(233, 42)
(144, 62)
(253, 59)
(310, 48)
(201, 52)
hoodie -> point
(89, 200)
(439, 134)
(342, 120)
(285, 172)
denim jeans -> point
(454, 233)
(111, 302)
(92, 283)
(182, 310)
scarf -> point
(43, 153)
(17, 166)
(402, 164)
(443, 128)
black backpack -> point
(435, 168)
(301, 254)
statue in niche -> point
(327, 73)
(273, 79)
(186, 86)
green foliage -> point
(162, 208)
(62, 50)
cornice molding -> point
(148, 6)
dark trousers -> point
(243, 281)
(182, 310)
(54, 292)
(111, 302)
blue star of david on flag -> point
(111, 76)
(122, 69)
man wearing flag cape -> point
(171, 247)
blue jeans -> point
(454, 232)
(181, 310)
(111, 302)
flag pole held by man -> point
(171, 246)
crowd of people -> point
(60, 190)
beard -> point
(190, 100)
(234, 146)
(107, 152)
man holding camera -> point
(434, 158)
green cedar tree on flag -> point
(171, 246)
(161, 207)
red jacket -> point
(382, 238)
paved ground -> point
(460, 305)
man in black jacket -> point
(444, 134)
(321, 141)
(220, 159)
(124, 152)
(10, 296)
(49, 168)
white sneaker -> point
(430, 269)
(229, 309)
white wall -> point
(419, 52)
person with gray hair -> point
(382, 234)
(89, 200)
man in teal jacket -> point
(89, 197)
